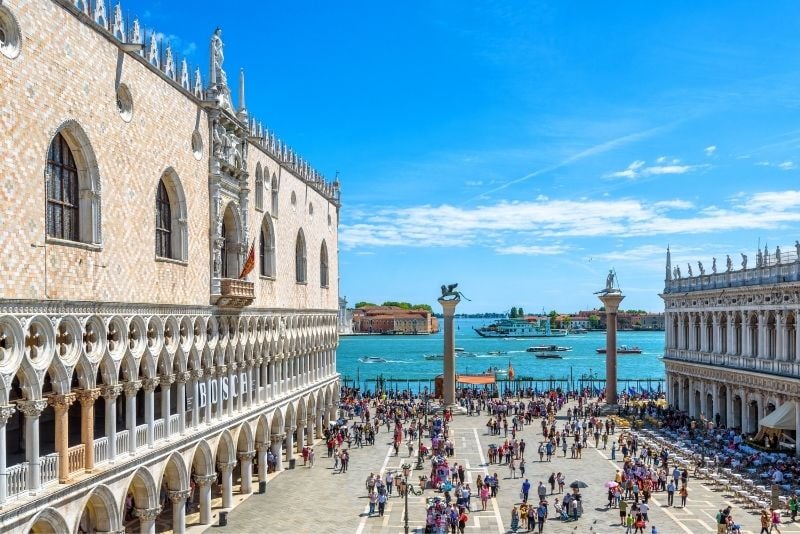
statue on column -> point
(611, 285)
(219, 80)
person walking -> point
(623, 511)
(541, 491)
(670, 492)
(765, 522)
(775, 519)
(552, 482)
(526, 487)
(541, 515)
(514, 519)
(381, 503)
(793, 507)
(683, 494)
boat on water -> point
(578, 331)
(434, 356)
(548, 356)
(547, 348)
(623, 349)
(372, 359)
(519, 328)
(459, 349)
(496, 352)
(494, 370)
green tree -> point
(513, 312)
(553, 314)
(423, 307)
(364, 304)
(520, 312)
(594, 321)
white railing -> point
(158, 430)
(141, 436)
(175, 423)
(48, 466)
(76, 457)
(100, 450)
(17, 479)
(122, 442)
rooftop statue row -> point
(163, 58)
(763, 259)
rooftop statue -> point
(689, 268)
(700, 267)
(714, 265)
(797, 250)
(759, 258)
(728, 264)
(677, 272)
(744, 262)
(777, 254)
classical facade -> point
(167, 318)
(731, 343)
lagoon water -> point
(405, 355)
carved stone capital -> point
(222, 370)
(259, 361)
(150, 384)
(167, 380)
(131, 387)
(6, 412)
(204, 480)
(147, 514)
(277, 438)
(110, 393)
(88, 396)
(226, 467)
(63, 401)
(246, 456)
(210, 372)
(233, 366)
(261, 446)
(178, 496)
(197, 374)
(32, 408)
(182, 378)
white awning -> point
(783, 417)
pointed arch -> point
(73, 188)
(203, 459)
(99, 512)
(48, 521)
(143, 487)
(300, 258)
(323, 265)
(266, 248)
(226, 450)
(171, 235)
(232, 237)
(175, 473)
(274, 195)
(259, 187)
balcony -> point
(235, 293)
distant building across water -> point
(392, 320)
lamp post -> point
(406, 472)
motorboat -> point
(459, 349)
(372, 359)
(548, 356)
(434, 356)
(623, 349)
(494, 370)
(496, 352)
(548, 348)
(519, 328)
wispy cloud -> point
(521, 227)
(787, 165)
(637, 169)
(710, 150)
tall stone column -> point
(61, 404)
(222, 370)
(166, 382)
(611, 301)
(149, 385)
(231, 397)
(181, 379)
(110, 394)
(449, 371)
(196, 376)
(261, 451)
(209, 375)
(87, 399)
(32, 409)
(130, 389)
(729, 419)
(178, 499)
(5, 413)
(204, 493)
(277, 445)
(227, 483)
(290, 443)
(246, 464)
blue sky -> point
(524, 148)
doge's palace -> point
(168, 301)
(732, 353)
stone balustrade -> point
(770, 274)
(76, 456)
(48, 468)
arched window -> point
(274, 195)
(231, 243)
(171, 235)
(259, 188)
(62, 191)
(163, 222)
(266, 249)
(73, 187)
(224, 252)
(300, 258)
(323, 265)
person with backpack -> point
(462, 520)
(552, 482)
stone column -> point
(166, 382)
(130, 388)
(716, 345)
(210, 373)
(261, 452)
(703, 333)
(745, 413)
(149, 385)
(729, 418)
(246, 464)
(318, 428)
(762, 335)
(147, 519)
(301, 433)
(227, 483)
(781, 337)
(449, 371)
(310, 425)
(231, 397)
(222, 371)
(277, 445)
(178, 499)
(731, 335)
(87, 399)
(692, 399)
(290, 443)
(261, 380)
(611, 301)
(5, 414)
(110, 394)
(182, 379)
(61, 404)
(204, 493)
(32, 409)
(797, 425)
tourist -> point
(775, 519)
(389, 482)
(552, 482)
(765, 522)
(512, 467)
(522, 467)
(613, 451)
(515, 519)
(793, 507)
(541, 515)
(683, 494)
(541, 491)
(623, 511)
(381, 503)
(373, 500)
(561, 480)
(311, 457)
(484, 496)
(670, 492)
(629, 524)
(462, 521)
(526, 487)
